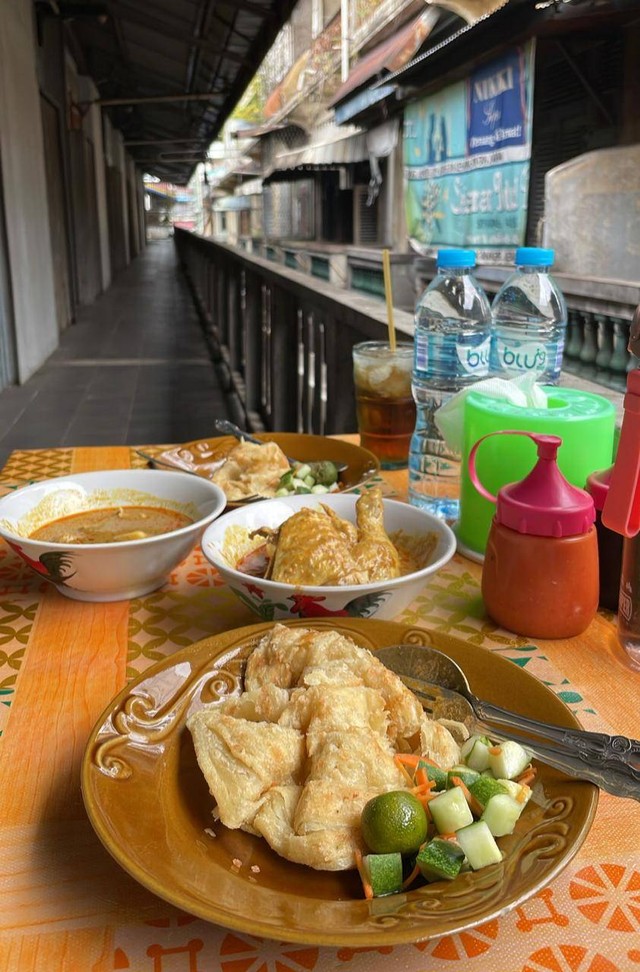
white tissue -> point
(521, 391)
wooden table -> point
(65, 904)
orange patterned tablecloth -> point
(64, 904)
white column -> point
(95, 122)
(24, 189)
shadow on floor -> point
(134, 369)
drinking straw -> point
(386, 267)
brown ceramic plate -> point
(150, 806)
(361, 465)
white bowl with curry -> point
(112, 535)
(334, 555)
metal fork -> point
(611, 762)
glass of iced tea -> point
(385, 407)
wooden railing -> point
(282, 339)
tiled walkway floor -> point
(134, 369)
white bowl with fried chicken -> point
(337, 555)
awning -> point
(228, 204)
(253, 187)
(335, 151)
(389, 56)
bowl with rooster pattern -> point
(132, 562)
(426, 544)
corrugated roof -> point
(335, 150)
(389, 56)
(150, 49)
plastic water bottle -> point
(451, 350)
(529, 320)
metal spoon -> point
(223, 425)
(611, 762)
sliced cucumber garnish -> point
(486, 787)
(501, 814)
(450, 811)
(384, 872)
(468, 776)
(475, 752)
(508, 760)
(478, 844)
(440, 859)
(439, 776)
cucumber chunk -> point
(475, 752)
(450, 811)
(319, 488)
(510, 760)
(501, 814)
(384, 872)
(519, 791)
(478, 844)
(468, 776)
(440, 859)
(302, 471)
(439, 776)
(286, 480)
(484, 788)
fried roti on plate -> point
(251, 469)
(309, 742)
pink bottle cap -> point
(544, 504)
(598, 486)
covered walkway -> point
(134, 369)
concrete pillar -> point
(95, 123)
(121, 163)
(24, 190)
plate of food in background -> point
(247, 471)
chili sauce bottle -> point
(540, 574)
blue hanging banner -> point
(467, 152)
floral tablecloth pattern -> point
(66, 905)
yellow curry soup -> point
(112, 525)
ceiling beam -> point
(154, 99)
(172, 28)
(164, 141)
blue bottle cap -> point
(534, 256)
(456, 258)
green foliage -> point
(251, 106)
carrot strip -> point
(408, 759)
(521, 797)
(403, 770)
(366, 884)
(421, 777)
(474, 805)
(527, 777)
(408, 881)
(451, 836)
(495, 750)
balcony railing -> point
(282, 338)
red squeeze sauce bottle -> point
(540, 574)
(621, 513)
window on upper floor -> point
(280, 57)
